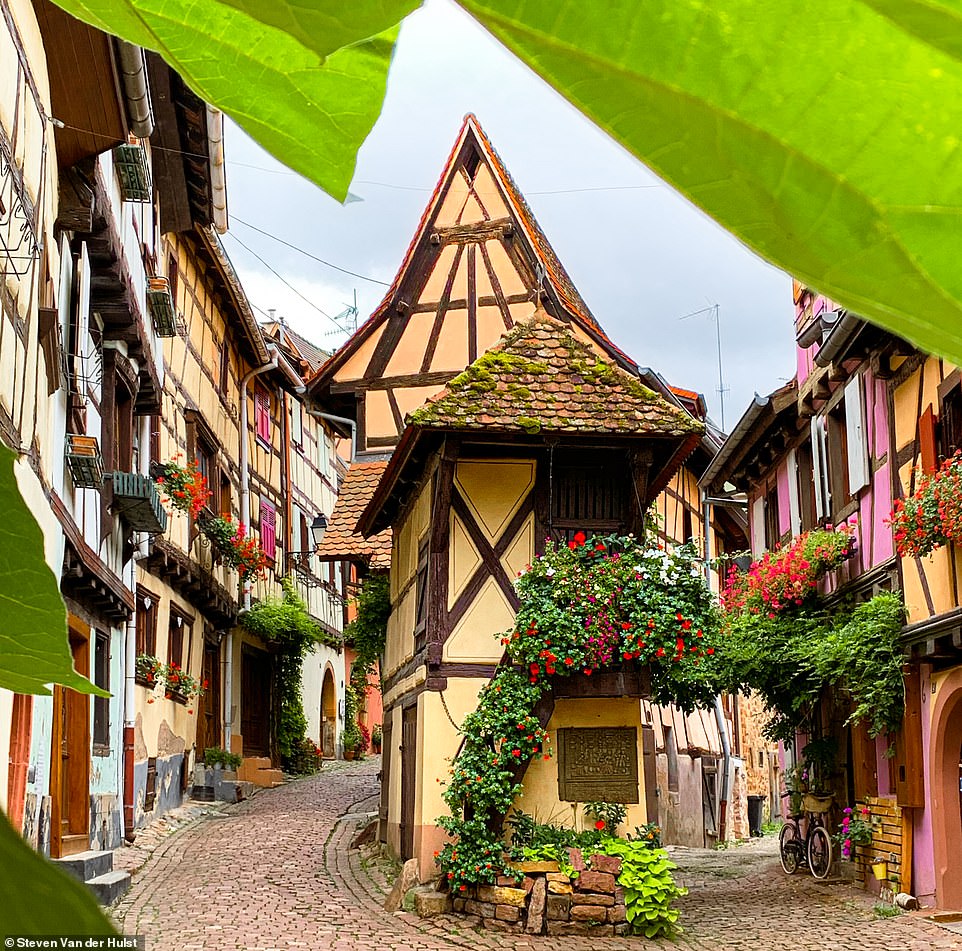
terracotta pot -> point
(377, 748)
(349, 754)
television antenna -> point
(714, 310)
(346, 320)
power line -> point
(308, 254)
(283, 280)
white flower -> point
(549, 572)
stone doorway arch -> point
(946, 807)
(328, 715)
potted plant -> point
(351, 738)
(184, 487)
(856, 830)
(148, 670)
(376, 738)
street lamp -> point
(318, 527)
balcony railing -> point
(137, 501)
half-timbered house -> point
(477, 266)
(865, 415)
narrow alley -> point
(277, 872)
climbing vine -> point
(285, 622)
(785, 642)
(585, 606)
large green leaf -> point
(305, 80)
(40, 899)
(33, 636)
(825, 136)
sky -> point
(642, 256)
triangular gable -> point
(473, 270)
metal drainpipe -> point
(720, 720)
(245, 517)
(130, 651)
(339, 419)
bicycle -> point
(814, 849)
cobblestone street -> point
(276, 872)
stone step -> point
(87, 865)
(109, 886)
(251, 766)
(267, 777)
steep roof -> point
(540, 378)
(308, 352)
(557, 282)
(340, 540)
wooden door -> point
(387, 756)
(409, 749)
(70, 756)
(256, 696)
(328, 716)
(209, 703)
(709, 800)
(649, 767)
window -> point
(820, 468)
(772, 534)
(262, 413)
(150, 789)
(123, 434)
(421, 595)
(172, 275)
(223, 377)
(268, 528)
(950, 421)
(856, 437)
(805, 488)
(146, 623)
(589, 498)
(101, 735)
(837, 445)
(175, 639)
(155, 438)
(224, 496)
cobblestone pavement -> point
(276, 872)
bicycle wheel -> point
(789, 848)
(819, 852)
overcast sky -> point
(641, 256)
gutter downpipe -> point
(339, 419)
(720, 720)
(134, 78)
(130, 655)
(245, 517)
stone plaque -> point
(598, 764)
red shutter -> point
(268, 529)
(262, 413)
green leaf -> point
(825, 139)
(34, 650)
(305, 80)
(40, 899)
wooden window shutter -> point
(297, 423)
(758, 526)
(794, 509)
(268, 528)
(930, 460)
(262, 413)
(857, 436)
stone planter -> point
(546, 901)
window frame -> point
(100, 735)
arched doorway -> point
(328, 716)
(946, 791)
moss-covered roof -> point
(541, 378)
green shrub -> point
(649, 888)
(216, 756)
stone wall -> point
(887, 843)
(547, 901)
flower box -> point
(85, 461)
(130, 162)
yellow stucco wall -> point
(540, 794)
